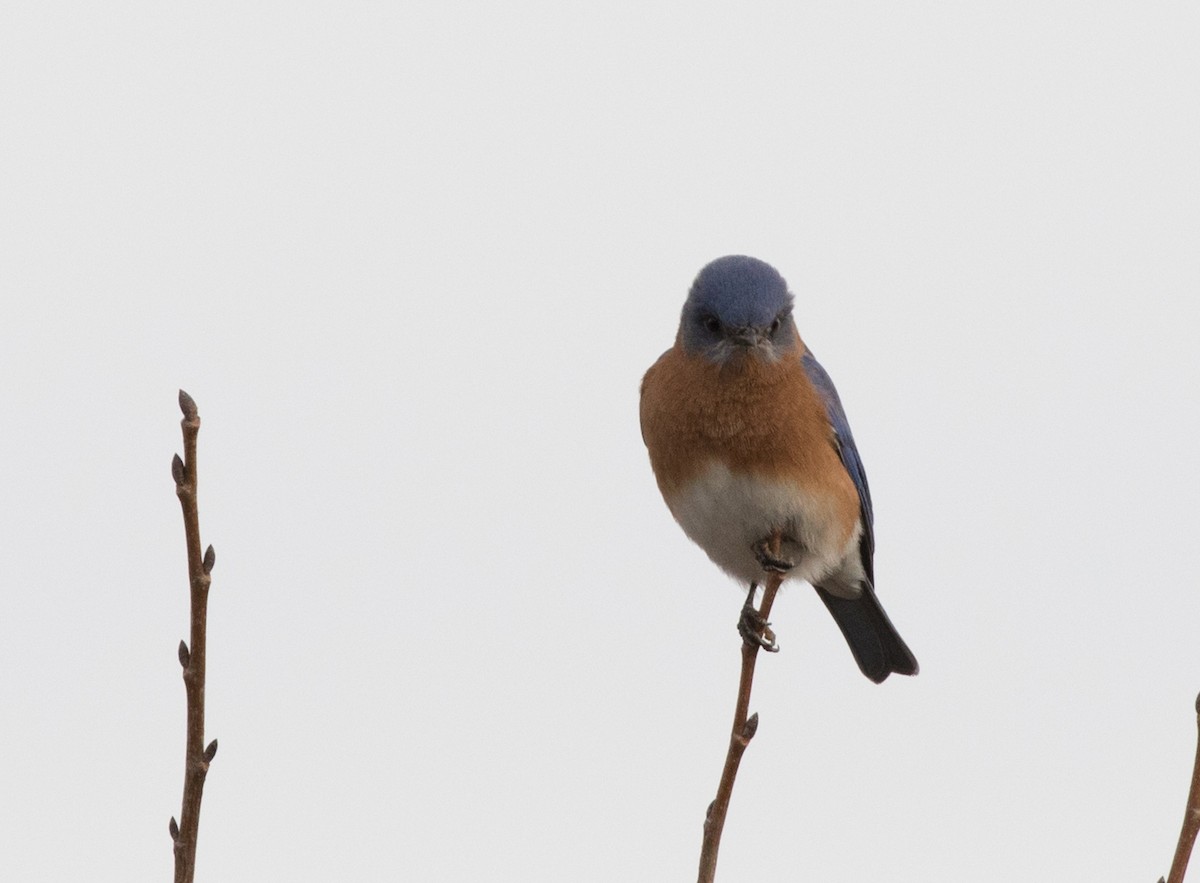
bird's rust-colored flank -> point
(695, 412)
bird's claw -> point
(770, 562)
(755, 630)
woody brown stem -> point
(1191, 816)
(744, 727)
(192, 656)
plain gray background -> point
(412, 260)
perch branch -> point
(197, 757)
(744, 725)
(1191, 816)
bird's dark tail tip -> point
(877, 646)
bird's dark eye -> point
(775, 325)
(711, 324)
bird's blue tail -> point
(877, 646)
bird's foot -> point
(769, 562)
(755, 630)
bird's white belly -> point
(727, 514)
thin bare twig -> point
(197, 757)
(744, 728)
(1191, 816)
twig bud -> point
(750, 727)
(211, 751)
(1198, 704)
(187, 404)
(185, 655)
(210, 558)
(173, 828)
(177, 470)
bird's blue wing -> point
(874, 641)
(849, 454)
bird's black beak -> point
(748, 337)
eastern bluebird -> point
(748, 441)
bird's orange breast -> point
(755, 417)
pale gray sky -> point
(412, 260)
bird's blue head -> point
(738, 305)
